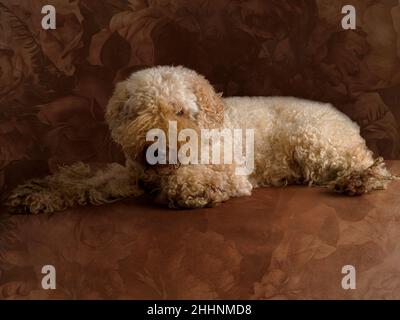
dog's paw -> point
(359, 183)
(190, 196)
(189, 202)
(352, 185)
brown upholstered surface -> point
(278, 243)
(55, 84)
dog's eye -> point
(179, 113)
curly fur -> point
(296, 142)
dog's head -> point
(151, 98)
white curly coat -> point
(296, 142)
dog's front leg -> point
(196, 186)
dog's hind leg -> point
(351, 171)
(73, 185)
(328, 150)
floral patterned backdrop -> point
(54, 85)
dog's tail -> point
(77, 184)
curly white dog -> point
(296, 142)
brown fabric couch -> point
(280, 243)
(54, 86)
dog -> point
(295, 142)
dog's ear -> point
(210, 103)
(124, 127)
(114, 114)
(133, 133)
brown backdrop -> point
(54, 85)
